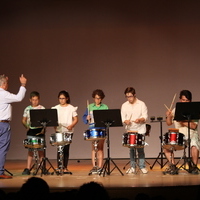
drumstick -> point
(88, 107)
(64, 126)
(172, 102)
(167, 107)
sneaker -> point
(194, 170)
(93, 170)
(144, 170)
(131, 170)
(26, 172)
(172, 169)
(99, 170)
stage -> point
(127, 185)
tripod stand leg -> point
(8, 172)
(103, 170)
(116, 167)
(160, 156)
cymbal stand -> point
(106, 166)
(95, 144)
(161, 153)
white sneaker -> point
(144, 170)
(130, 170)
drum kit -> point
(94, 135)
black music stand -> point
(108, 118)
(161, 153)
(44, 118)
(187, 111)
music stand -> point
(187, 111)
(44, 118)
(108, 118)
(161, 153)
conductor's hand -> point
(22, 80)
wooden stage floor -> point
(128, 185)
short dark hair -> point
(34, 94)
(186, 93)
(99, 93)
(66, 94)
(130, 90)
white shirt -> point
(65, 117)
(6, 98)
(132, 112)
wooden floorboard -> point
(127, 185)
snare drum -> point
(35, 143)
(60, 139)
(94, 134)
(174, 140)
(133, 139)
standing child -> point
(88, 118)
(67, 119)
(32, 132)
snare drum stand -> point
(42, 164)
(35, 165)
(95, 144)
(135, 161)
(106, 166)
(60, 161)
(172, 167)
(188, 160)
(161, 153)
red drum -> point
(173, 140)
(133, 139)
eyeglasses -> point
(129, 96)
(97, 98)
